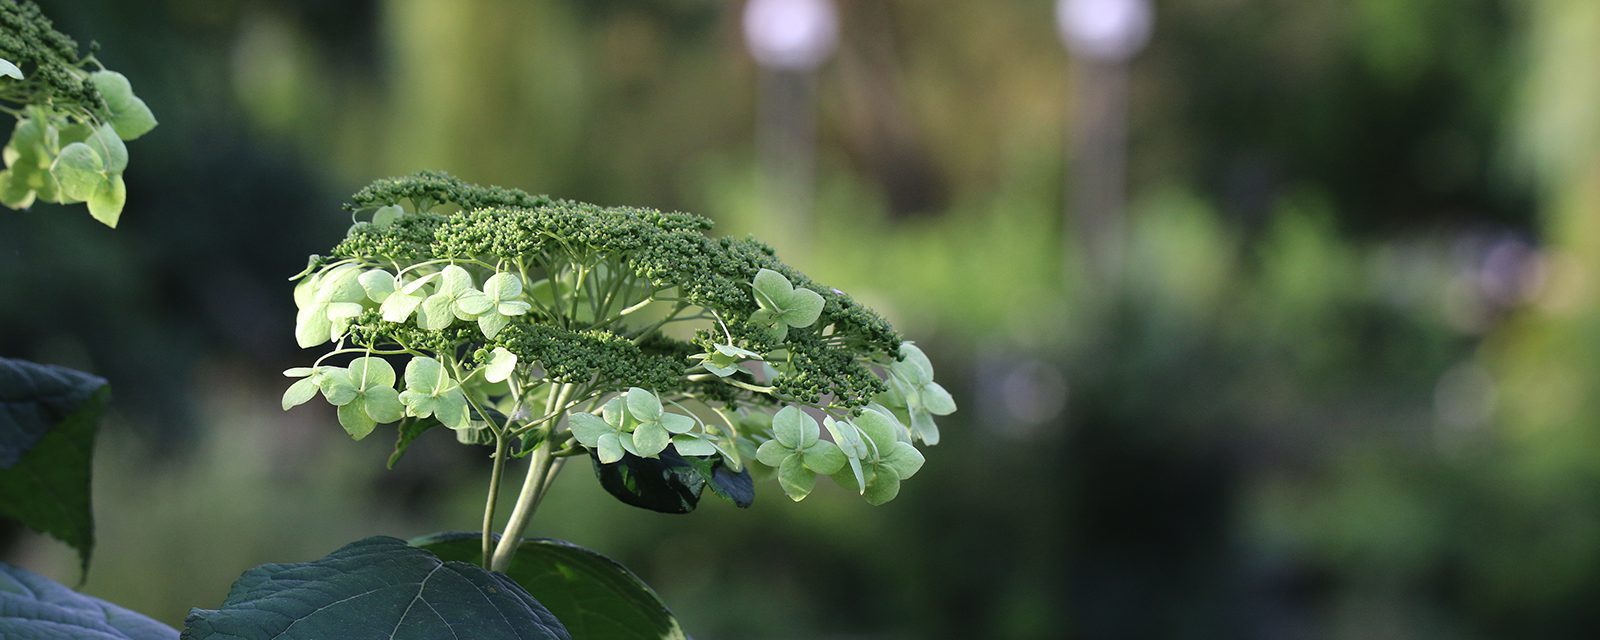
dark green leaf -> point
(34, 398)
(594, 596)
(733, 486)
(409, 429)
(48, 419)
(668, 484)
(528, 443)
(375, 589)
(34, 608)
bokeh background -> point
(1282, 322)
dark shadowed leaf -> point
(594, 596)
(668, 484)
(34, 398)
(34, 608)
(375, 589)
(730, 485)
(409, 429)
(48, 419)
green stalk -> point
(533, 487)
(494, 496)
(527, 502)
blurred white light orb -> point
(1111, 30)
(791, 34)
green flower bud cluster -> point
(72, 119)
(620, 331)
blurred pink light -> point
(791, 34)
(1111, 30)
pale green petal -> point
(305, 292)
(383, 404)
(914, 364)
(689, 445)
(771, 289)
(14, 190)
(610, 448)
(397, 307)
(342, 284)
(417, 403)
(937, 401)
(854, 478)
(417, 285)
(503, 287)
(880, 428)
(455, 280)
(337, 387)
(353, 417)
(802, 308)
(848, 437)
(502, 363)
(472, 304)
(128, 114)
(791, 426)
(343, 310)
(424, 375)
(615, 411)
(378, 284)
(491, 324)
(824, 457)
(299, 392)
(923, 426)
(588, 428)
(79, 170)
(105, 204)
(386, 216)
(451, 410)
(677, 422)
(797, 481)
(882, 486)
(772, 453)
(435, 312)
(369, 371)
(643, 405)
(105, 142)
(311, 326)
(904, 459)
(650, 439)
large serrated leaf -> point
(594, 596)
(48, 419)
(34, 608)
(378, 588)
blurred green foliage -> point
(1347, 387)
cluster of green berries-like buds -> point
(606, 331)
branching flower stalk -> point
(548, 329)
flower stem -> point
(527, 502)
(533, 486)
(494, 496)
